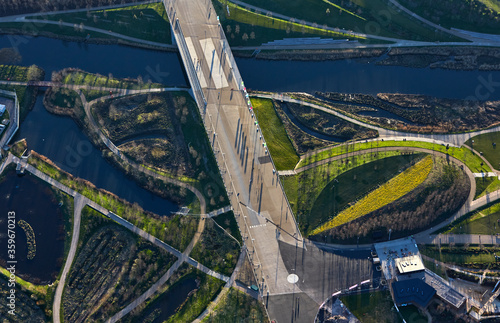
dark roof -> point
(413, 291)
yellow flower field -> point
(385, 194)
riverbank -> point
(444, 57)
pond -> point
(35, 203)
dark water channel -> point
(167, 304)
(60, 139)
(32, 201)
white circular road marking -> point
(292, 278)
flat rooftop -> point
(409, 264)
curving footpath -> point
(455, 139)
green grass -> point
(304, 188)
(482, 222)
(373, 307)
(50, 30)
(370, 17)
(176, 230)
(247, 28)
(280, 146)
(25, 94)
(354, 184)
(476, 15)
(472, 161)
(147, 21)
(237, 306)
(435, 268)
(485, 185)
(460, 255)
(484, 143)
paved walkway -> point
(453, 139)
(79, 203)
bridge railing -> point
(188, 61)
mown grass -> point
(373, 307)
(471, 160)
(486, 221)
(369, 17)
(463, 255)
(487, 144)
(305, 187)
(146, 21)
(237, 306)
(26, 95)
(476, 15)
(248, 28)
(485, 185)
(387, 193)
(353, 185)
(280, 146)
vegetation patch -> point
(146, 21)
(237, 306)
(476, 15)
(417, 113)
(27, 304)
(464, 154)
(25, 94)
(485, 221)
(437, 198)
(487, 145)
(279, 144)
(345, 189)
(216, 249)
(62, 101)
(329, 124)
(387, 193)
(473, 257)
(373, 307)
(112, 268)
(368, 17)
(246, 27)
(175, 230)
(486, 185)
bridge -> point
(254, 188)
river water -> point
(59, 138)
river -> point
(59, 138)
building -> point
(409, 264)
(412, 291)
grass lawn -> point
(354, 184)
(304, 188)
(147, 21)
(373, 307)
(387, 193)
(485, 185)
(472, 161)
(484, 143)
(370, 17)
(482, 222)
(284, 155)
(237, 306)
(460, 255)
(476, 15)
(25, 94)
(244, 27)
